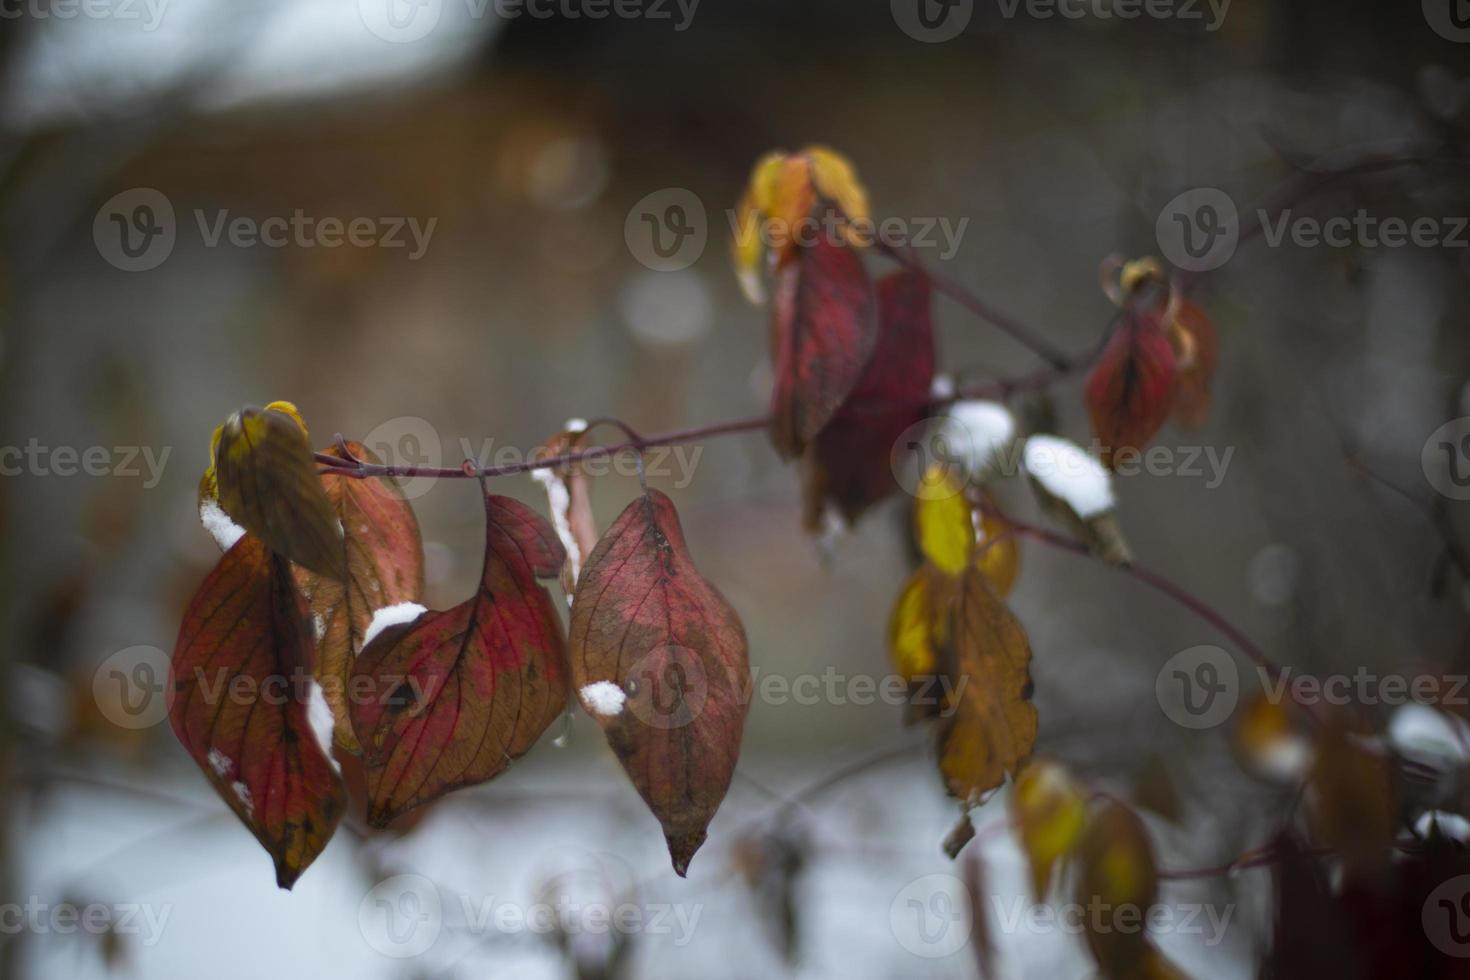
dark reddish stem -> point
(1179, 594)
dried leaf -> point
(1194, 334)
(1049, 810)
(457, 695)
(850, 461)
(823, 330)
(241, 676)
(262, 468)
(994, 724)
(570, 500)
(384, 557)
(1131, 389)
(660, 662)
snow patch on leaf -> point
(603, 698)
(220, 763)
(401, 612)
(242, 793)
(224, 531)
(981, 430)
(1069, 473)
(319, 717)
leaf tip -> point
(682, 848)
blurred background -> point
(502, 157)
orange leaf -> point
(241, 678)
(660, 661)
(1117, 874)
(456, 695)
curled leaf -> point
(994, 723)
(782, 192)
(1131, 389)
(451, 698)
(262, 468)
(1075, 491)
(570, 499)
(384, 557)
(245, 706)
(1198, 352)
(659, 659)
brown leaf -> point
(241, 677)
(268, 484)
(457, 695)
(659, 660)
(384, 557)
(994, 723)
(570, 499)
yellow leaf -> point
(998, 553)
(836, 179)
(943, 522)
(267, 482)
(1116, 873)
(1049, 809)
(779, 197)
(911, 644)
(993, 726)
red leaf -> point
(660, 661)
(1131, 389)
(456, 695)
(823, 329)
(384, 559)
(241, 677)
(850, 460)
